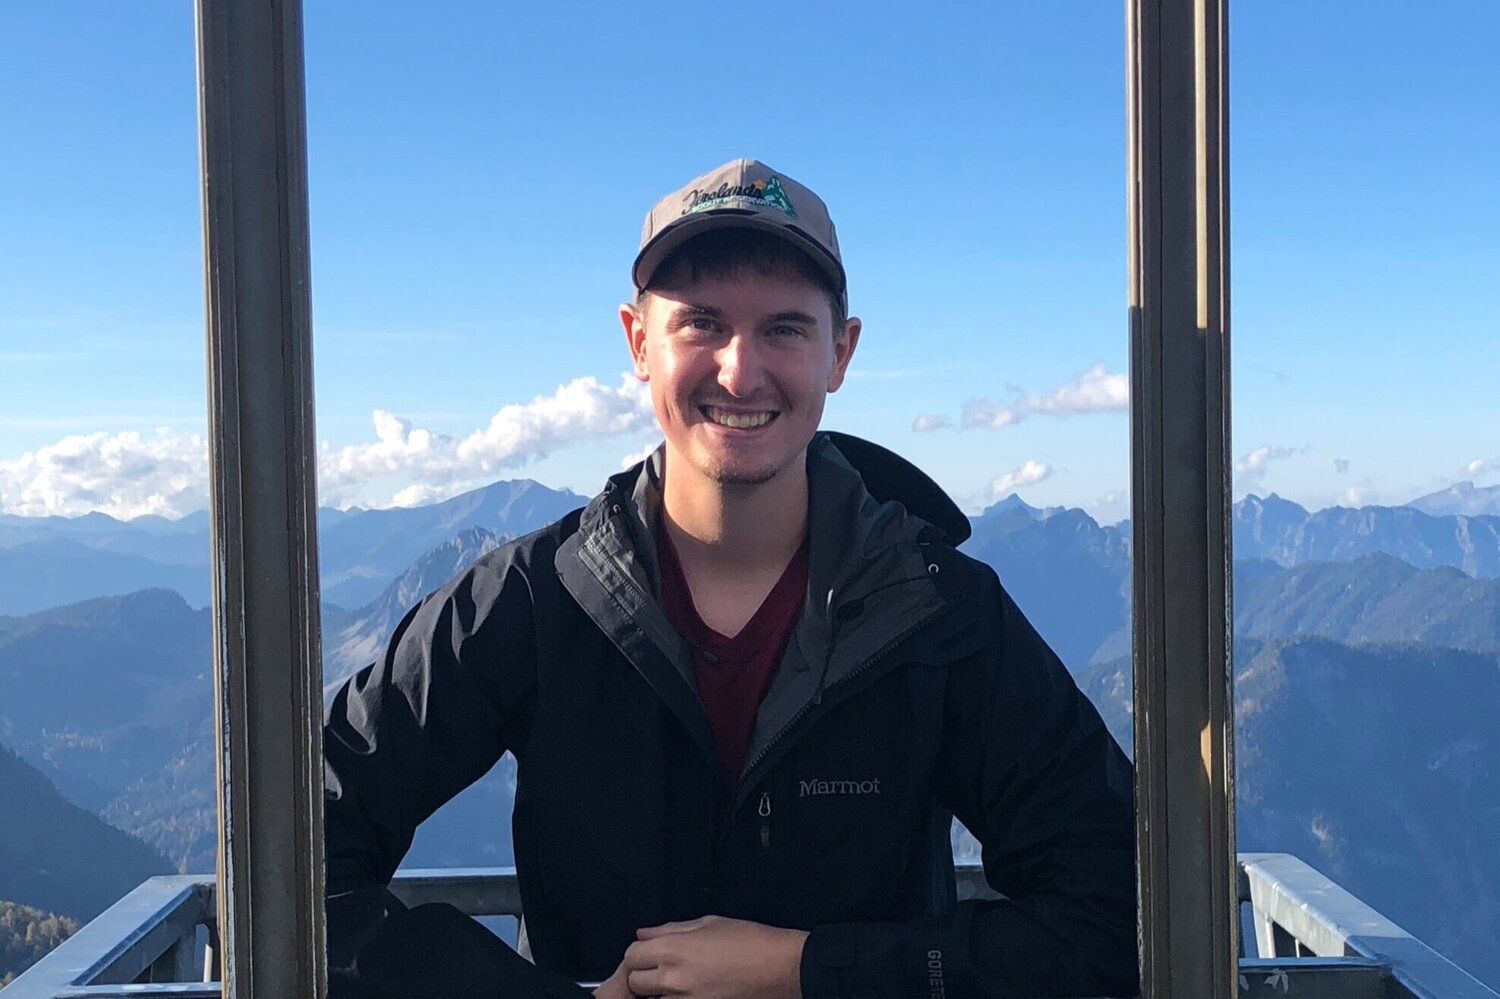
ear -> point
(843, 350)
(634, 321)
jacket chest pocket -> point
(850, 786)
(837, 823)
(865, 774)
(851, 811)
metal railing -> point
(1307, 925)
(1313, 938)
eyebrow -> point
(693, 309)
(792, 316)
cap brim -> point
(685, 228)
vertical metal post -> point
(267, 668)
(1180, 489)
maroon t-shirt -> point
(733, 684)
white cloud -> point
(1250, 471)
(926, 423)
(636, 456)
(1112, 507)
(1483, 466)
(418, 495)
(1093, 391)
(988, 415)
(1028, 474)
(122, 474)
(516, 434)
(1257, 460)
(126, 475)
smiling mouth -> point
(738, 421)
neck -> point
(735, 529)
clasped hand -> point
(712, 957)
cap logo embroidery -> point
(765, 192)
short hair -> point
(721, 253)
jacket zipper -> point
(765, 820)
(848, 678)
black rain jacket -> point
(913, 689)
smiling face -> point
(739, 365)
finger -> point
(614, 987)
(650, 982)
(613, 990)
(648, 932)
(641, 955)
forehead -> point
(744, 290)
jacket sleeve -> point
(404, 735)
(1029, 768)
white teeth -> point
(738, 420)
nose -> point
(740, 372)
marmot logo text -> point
(811, 787)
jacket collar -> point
(868, 584)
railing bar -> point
(1325, 918)
(1281, 884)
(179, 990)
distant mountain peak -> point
(1462, 499)
(152, 604)
(1012, 502)
(363, 637)
(1271, 501)
(1013, 506)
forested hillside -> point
(61, 858)
(27, 935)
(1379, 765)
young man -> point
(747, 688)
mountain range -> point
(360, 552)
(1287, 534)
(113, 697)
(114, 703)
(1375, 598)
(352, 641)
(45, 561)
(1338, 573)
(1379, 765)
(1461, 498)
(81, 866)
(1070, 575)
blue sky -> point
(478, 182)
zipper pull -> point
(765, 824)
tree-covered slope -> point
(59, 857)
(1380, 766)
(27, 935)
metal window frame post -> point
(267, 669)
(1181, 509)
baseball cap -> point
(743, 194)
